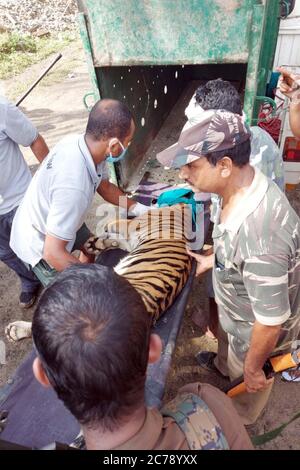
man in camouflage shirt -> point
(221, 94)
(264, 155)
(256, 259)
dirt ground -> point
(55, 106)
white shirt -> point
(57, 200)
(15, 176)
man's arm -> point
(295, 118)
(263, 341)
(111, 193)
(56, 255)
(21, 130)
(266, 281)
(39, 148)
(289, 85)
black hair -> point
(239, 154)
(219, 94)
(91, 331)
(109, 118)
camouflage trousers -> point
(248, 405)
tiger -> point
(157, 264)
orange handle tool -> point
(271, 367)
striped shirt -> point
(256, 272)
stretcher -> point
(33, 416)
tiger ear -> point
(155, 348)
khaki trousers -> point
(248, 405)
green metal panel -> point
(150, 93)
(267, 51)
(149, 32)
(144, 52)
(88, 53)
(255, 42)
(90, 63)
(269, 41)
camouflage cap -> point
(217, 130)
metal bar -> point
(38, 79)
(90, 63)
(262, 47)
(88, 53)
(255, 43)
(270, 34)
(267, 53)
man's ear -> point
(155, 348)
(39, 373)
(114, 146)
(225, 167)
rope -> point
(270, 435)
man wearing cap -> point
(256, 258)
(265, 155)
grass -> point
(17, 52)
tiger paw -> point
(94, 245)
(18, 330)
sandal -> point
(291, 375)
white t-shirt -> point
(15, 176)
(57, 200)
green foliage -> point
(17, 52)
(10, 43)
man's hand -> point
(111, 193)
(86, 258)
(55, 253)
(139, 209)
(255, 380)
(289, 83)
(263, 341)
(204, 262)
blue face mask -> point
(111, 159)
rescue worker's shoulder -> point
(221, 407)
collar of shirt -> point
(245, 206)
(148, 434)
(95, 171)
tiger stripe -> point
(158, 266)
